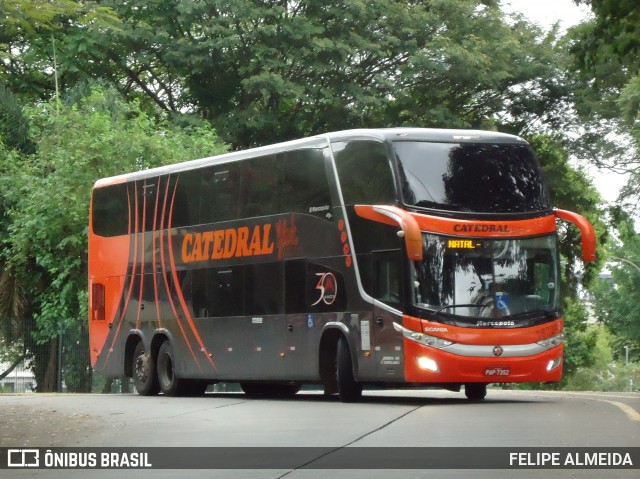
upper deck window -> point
(365, 172)
(471, 177)
(111, 210)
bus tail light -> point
(97, 302)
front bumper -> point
(424, 364)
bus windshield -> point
(487, 278)
(478, 177)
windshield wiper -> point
(549, 314)
(471, 305)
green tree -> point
(264, 71)
(48, 195)
(13, 123)
(617, 299)
(571, 189)
(14, 296)
(28, 29)
(605, 374)
(606, 68)
(260, 71)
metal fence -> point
(61, 364)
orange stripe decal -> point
(154, 258)
(183, 303)
(166, 282)
(133, 268)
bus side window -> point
(110, 208)
(264, 289)
(253, 289)
(295, 283)
(260, 187)
(305, 187)
(147, 203)
(388, 278)
(364, 172)
(218, 292)
(186, 202)
(220, 193)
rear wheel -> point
(145, 379)
(349, 390)
(170, 385)
(475, 391)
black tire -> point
(170, 385)
(349, 390)
(145, 378)
(328, 370)
(475, 391)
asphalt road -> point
(506, 419)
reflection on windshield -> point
(480, 177)
(487, 278)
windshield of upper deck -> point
(470, 177)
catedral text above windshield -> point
(471, 177)
(481, 278)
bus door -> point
(389, 293)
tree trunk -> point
(107, 386)
(50, 383)
(12, 367)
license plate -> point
(495, 372)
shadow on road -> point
(370, 397)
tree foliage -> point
(47, 193)
(606, 67)
(264, 71)
(617, 299)
(28, 29)
(571, 189)
(260, 71)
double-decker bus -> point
(383, 257)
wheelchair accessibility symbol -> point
(502, 302)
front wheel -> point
(349, 390)
(475, 391)
(145, 379)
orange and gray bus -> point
(385, 257)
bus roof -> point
(437, 135)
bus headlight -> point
(428, 363)
(554, 364)
(422, 338)
(552, 342)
